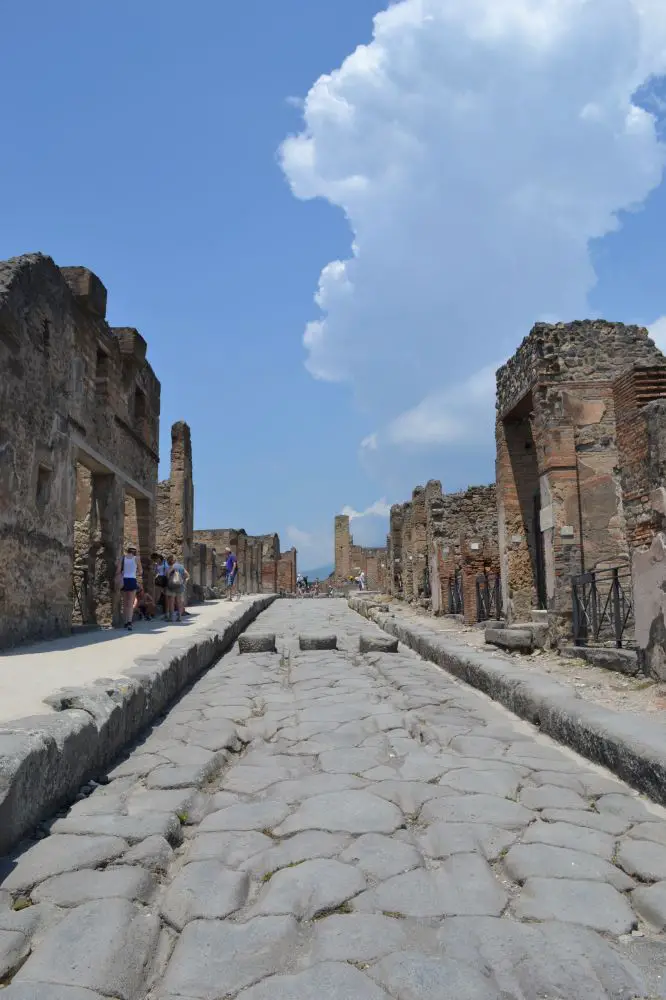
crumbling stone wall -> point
(343, 544)
(287, 572)
(73, 390)
(175, 501)
(559, 490)
(257, 555)
(270, 556)
(394, 549)
(350, 559)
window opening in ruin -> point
(140, 408)
(101, 369)
(43, 490)
(540, 555)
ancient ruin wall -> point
(70, 389)
(343, 543)
(287, 572)
(394, 548)
(175, 500)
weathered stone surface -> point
(250, 816)
(463, 885)
(419, 977)
(607, 823)
(62, 853)
(551, 797)
(381, 857)
(74, 888)
(131, 828)
(650, 903)
(104, 946)
(509, 638)
(332, 980)
(343, 812)
(578, 838)
(204, 890)
(293, 850)
(307, 889)
(255, 642)
(502, 782)
(357, 937)
(153, 853)
(310, 642)
(14, 949)
(593, 904)
(626, 806)
(377, 644)
(476, 809)
(47, 991)
(231, 848)
(441, 840)
(644, 859)
(527, 861)
(216, 958)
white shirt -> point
(129, 567)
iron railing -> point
(456, 602)
(488, 597)
(603, 609)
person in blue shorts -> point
(231, 570)
(127, 572)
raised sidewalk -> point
(69, 706)
(631, 745)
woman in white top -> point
(127, 570)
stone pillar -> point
(472, 558)
(395, 550)
(343, 566)
(84, 561)
(407, 555)
(108, 504)
(517, 484)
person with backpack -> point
(231, 570)
(127, 577)
(177, 577)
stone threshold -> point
(631, 746)
(44, 759)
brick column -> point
(108, 504)
(473, 562)
(517, 480)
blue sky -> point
(144, 141)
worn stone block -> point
(310, 642)
(257, 643)
(520, 640)
(377, 644)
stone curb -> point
(44, 759)
(631, 746)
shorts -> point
(175, 590)
(231, 579)
(130, 583)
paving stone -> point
(204, 890)
(47, 991)
(330, 980)
(104, 946)
(381, 857)
(62, 853)
(643, 858)
(153, 853)
(214, 958)
(578, 838)
(608, 823)
(408, 796)
(478, 746)
(593, 904)
(441, 840)
(476, 809)
(551, 797)
(137, 765)
(299, 789)
(310, 888)
(344, 812)
(422, 766)
(231, 848)
(531, 860)
(252, 779)
(649, 831)
(538, 961)
(245, 816)
(131, 828)
(650, 903)
(173, 776)
(356, 937)
(349, 761)
(135, 801)
(501, 782)
(74, 888)
(463, 884)
(14, 949)
(412, 976)
(301, 847)
(627, 806)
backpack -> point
(175, 579)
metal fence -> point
(456, 602)
(603, 609)
(488, 597)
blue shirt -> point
(230, 564)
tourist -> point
(360, 579)
(126, 574)
(160, 570)
(231, 570)
(177, 577)
(144, 605)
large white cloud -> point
(476, 147)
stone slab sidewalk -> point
(632, 746)
(68, 707)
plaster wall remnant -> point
(79, 425)
(559, 489)
(351, 559)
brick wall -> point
(287, 572)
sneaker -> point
(128, 626)
(178, 618)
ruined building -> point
(175, 502)
(79, 422)
(262, 568)
(350, 559)
(443, 549)
(573, 471)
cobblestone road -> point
(346, 827)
